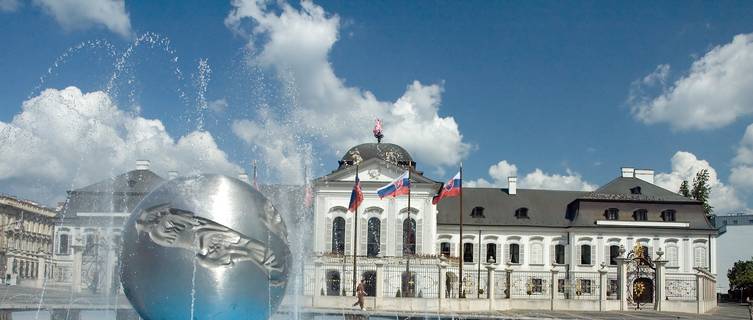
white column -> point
(490, 285)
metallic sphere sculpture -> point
(205, 247)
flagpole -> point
(410, 226)
(461, 293)
(355, 241)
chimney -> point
(645, 175)
(628, 172)
(143, 164)
(172, 174)
(512, 185)
(243, 177)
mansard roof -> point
(546, 208)
(117, 194)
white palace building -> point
(627, 245)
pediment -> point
(373, 170)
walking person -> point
(360, 293)
(750, 308)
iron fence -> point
(585, 285)
(421, 281)
(613, 286)
(530, 285)
(500, 284)
(681, 287)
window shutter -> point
(498, 258)
(438, 247)
(419, 236)
(508, 251)
(578, 255)
(348, 236)
(483, 253)
(522, 254)
(552, 252)
(363, 236)
(383, 237)
(398, 238)
(453, 253)
(328, 235)
(475, 253)
(593, 255)
(606, 255)
(651, 252)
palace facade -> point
(536, 244)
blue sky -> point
(539, 85)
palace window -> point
(338, 236)
(537, 286)
(467, 252)
(559, 254)
(521, 213)
(537, 253)
(585, 254)
(635, 190)
(668, 215)
(409, 236)
(672, 255)
(372, 243)
(445, 248)
(333, 283)
(614, 252)
(699, 256)
(477, 212)
(640, 215)
(491, 252)
(612, 214)
(585, 286)
(514, 253)
(63, 244)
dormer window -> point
(669, 215)
(521, 213)
(640, 215)
(612, 214)
(477, 212)
(635, 190)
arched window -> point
(338, 235)
(445, 249)
(467, 252)
(537, 253)
(585, 254)
(370, 281)
(521, 213)
(477, 212)
(409, 237)
(640, 215)
(491, 252)
(614, 252)
(612, 214)
(514, 253)
(672, 255)
(408, 284)
(559, 254)
(372, 243)
(699, 256)
(333, 283)
(669, 215)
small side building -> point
(26, 233)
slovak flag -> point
(356, 197)
(400, 186)
(450, 189)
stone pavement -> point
(724, 312)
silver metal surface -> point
(205, 247)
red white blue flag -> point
(400, 186)
(450, 189)
(356, 197)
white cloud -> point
(742, 174)
(9, 5)
(219, 105)
(685, 165)
(295, 43)
(716, 91)
(537, 179)
(79, 14)
(65, 139)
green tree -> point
(741, 275)
(702, 190)
(685, 189)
